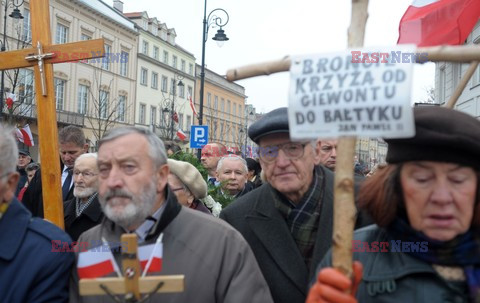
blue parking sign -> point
(198, 136)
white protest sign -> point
(368, 95)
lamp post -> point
(172, 105)
(220, 37)
(15, 15)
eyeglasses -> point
(292, 150)
(86, 174)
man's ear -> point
(11, 186)
(85, 148)
(316, 151)
(162, 177)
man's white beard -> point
(83, 193)
(136, 211)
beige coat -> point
(217, 262)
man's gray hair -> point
(156, 147)
(8, 150)
(233, 157)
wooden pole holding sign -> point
(459, 54)
(461, 86)
(41, 56)
(344, 209)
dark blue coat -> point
(29, 270)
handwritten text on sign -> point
(331, 96)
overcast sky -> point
(264, 30)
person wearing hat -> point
(425, 204)
(23, 160)
(188, 185)
(287, 221)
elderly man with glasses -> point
(287, 221)
(83, 211)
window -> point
(209, 100)
(61, 35)
(141, 113)
(124, 64)
(182, 65)
(165, 57)
(222, 105)
(103, 97)
(145, 47)
(121, 108)
(190, 69)
(215, 104)
(164, 84)
(85, 37)
(153, 115)
(25, 90)
(27, 27)
(82, 99)
(181, 91)
(155, 30)
(143, 76)
(228, 106)
(154, 80)
(190, 91)
(174, 62)
(59, 93)
(189, 123)
(156, 52)
(180, 121)
(106, 59)
(145, 24)
(234, 109)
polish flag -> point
(152, 254)
(192, 105)
(437, 22)
(181, 135)
(24, 135)
(94, 263)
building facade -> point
(165, 79)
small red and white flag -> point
(150, 257)
(181, 135)
(24, 135)
(96, 262)
(192, 104)
(437, 22)
(11, 98)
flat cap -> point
(442, 135)
(190, 177)
(273, 122)
(24, 152)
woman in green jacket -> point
(425, 246)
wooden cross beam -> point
(344, 206)
(42, 56)
(131, 285)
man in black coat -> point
(84, 211)
(72, 144)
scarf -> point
(463, 251)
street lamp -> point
(220, 37)
(172, 105)
(15, 15)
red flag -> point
(181, 135)
(9, 103)
(192, 105)
(175, 117)
(152, 253)
(94, 263)
(24, 135)
(437, 22)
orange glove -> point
(331, 286)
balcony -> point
(29, 111)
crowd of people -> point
(416, 237)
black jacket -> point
(90, 217)
(33, 199)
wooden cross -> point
(344, 206)
(42, 57)
(131, 285)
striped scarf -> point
(463, 251)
